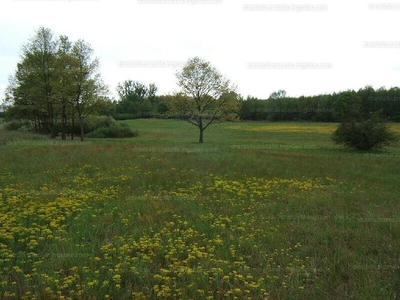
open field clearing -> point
(259, 211)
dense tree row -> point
(323, 108)
(135, 102)
(56, 84)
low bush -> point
(114, 130)
(366, 135)
(22, 125)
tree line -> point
(323, 108)
(135, 102)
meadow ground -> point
(259, 211)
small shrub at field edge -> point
(22, 125)
(367, 135)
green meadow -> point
(259, 211)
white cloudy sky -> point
(321, 47)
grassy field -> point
(259, 211)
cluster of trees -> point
(136, 100)
(323, 108)
(56, 84)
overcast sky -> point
(306, 48)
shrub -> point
(125, 116)
(23, 125)
(370, 134)
(114, 130)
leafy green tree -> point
(151, 92)
(54, 81)
(136, 98)
(90, 92)
(347, 106)
(66, 89)
(278, 95)
(205, 95)
(35, 82)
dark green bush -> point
(114, 130)
(23, 125)
(125, 116)
(370, 134)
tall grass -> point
(259, 211)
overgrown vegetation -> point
(95, 126)
(263, 210)
(113, 130)
(56, 81)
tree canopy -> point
(206, 95)
(56, 81)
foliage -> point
(113, 130)
(206, 96)
(347, 106)
(365, 135)
(55, 82)
(17, 124)
(135, 100)
(334, 107)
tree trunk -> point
(52, 130)
(201, 130)
(72, 126)
(51, 125)
(82, 129)
(36, 125)
(64, 124)
(201, 135)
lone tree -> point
(206, 96)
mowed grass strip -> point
(250, 214)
